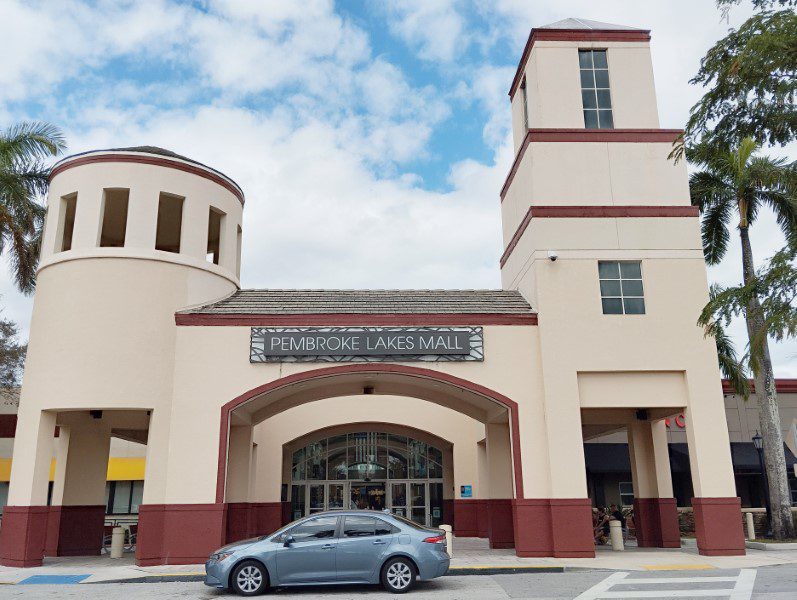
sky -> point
(371, 138)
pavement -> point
(764, 583)
(472, 556)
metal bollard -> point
(449, 539)
(117, 542)
(616, 535)
(750, 525)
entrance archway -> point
(489, 515)
(461, 395)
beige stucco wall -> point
(203, 353)
(554, 86)
(593, 174)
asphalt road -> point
(766, 583)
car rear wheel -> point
(398, 575)
(249, 578)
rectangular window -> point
(170, 223)
(3, 495)
(215, 227)
(626, 493)
(67, 222)
(621, 287)
(595, 96)
(123, 497)
(114, 218)
(525, 100)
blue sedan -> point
(335, 547)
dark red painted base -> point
(75, 530)
(656, 523)
(559, 527)
(466, 522)
(448, 513)
(23, 535)
(500, 525)
(267, 517)
(179, 534)
(482, 518)
(239, 521)
(718, 526)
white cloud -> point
(434, 28)
(328, 202)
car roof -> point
(351, 512)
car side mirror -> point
(288, 540)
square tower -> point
(601, 239)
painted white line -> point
(706, 579)
(597, 590)
(666, 594)
(743, 590)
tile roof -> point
(297, 302)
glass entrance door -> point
(368, 496)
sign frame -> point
(268, 344)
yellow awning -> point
(119, 469)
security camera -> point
(552, 255)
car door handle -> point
(378, 542)
(327, 546)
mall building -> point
(468, 407)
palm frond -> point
(31, 139)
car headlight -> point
(220, 556)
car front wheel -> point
(249, 578)
(398, 575)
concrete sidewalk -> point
(471, 556)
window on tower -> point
(621, 287)
(595, 96)
(170, 223)
(524, 98)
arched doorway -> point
(490, 515)
(369, 466)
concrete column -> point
(228, 244)
(77, 514)
(88, 218)
(157, 457)
(239, 463)
(142, 217)
(655, 511)
(466, 510)
(239, 473)
(194, 241)
(499, 505)
(717, 508)
(85, 450)
(24, 530)
(33, 452)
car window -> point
(383, 528)
(357, 526)
(315, 529)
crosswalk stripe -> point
(676, 580)
(744, 585)
(596, 590)
(665, 594)
(742, 589)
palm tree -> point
(738, 182)
(23, 183)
